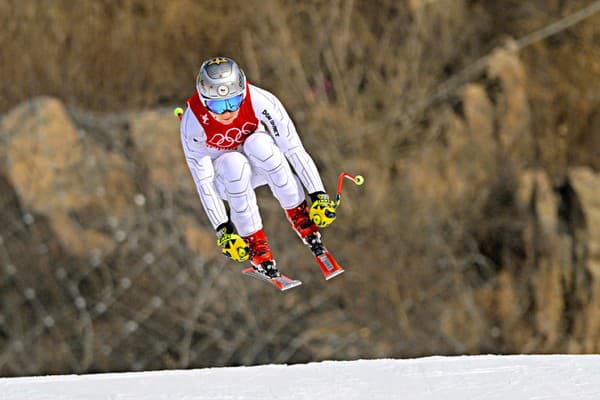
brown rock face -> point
(56, 174)
(156, 137)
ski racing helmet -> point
(221, 85)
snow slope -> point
(560, 377)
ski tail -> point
(281, 282)
(329, 266)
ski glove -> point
(232, 245)
(322, 210)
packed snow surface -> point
(539, 377)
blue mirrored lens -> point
(221, 105)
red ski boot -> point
(298, 217)
(261, 257)
(309, 233)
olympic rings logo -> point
(233, 137)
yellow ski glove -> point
(322, 210)
(232, 245)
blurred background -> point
(474, 122)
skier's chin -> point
(227, 117)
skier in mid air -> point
(235, 137)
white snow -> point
(535, 377)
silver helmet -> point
(220, 78)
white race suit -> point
(262, 157)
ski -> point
(329, 266)
(281, 282)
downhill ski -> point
(280, 281)
(329, 266)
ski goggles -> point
(219, 106)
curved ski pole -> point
(358, 180)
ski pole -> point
(178, 112)
(358, 180)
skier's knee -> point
(234, 171)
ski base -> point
(281, 282)
(328, 265)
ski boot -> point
(303, 226)
(261, 257)
(309, 233)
